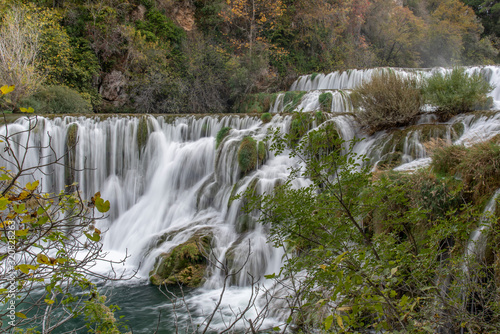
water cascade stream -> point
(166, 180)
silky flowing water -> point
(166, 180)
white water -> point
(178, 183)
(340, 83)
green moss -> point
(325, 101)
(314, 75)
(247, 154)
(266, 117)
(70, 156)
(255, 103)
(261, 149)
(185, 264)
(142, 133)
(221, 135)
(292, 99)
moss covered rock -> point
(262, 152)
(185, 264)
(70, 156)
(266, 117)
(325, 101)
(221, 135)
(247, 154)
(142, 133)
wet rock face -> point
(185, 264)
(113, 88)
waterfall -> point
(167, 181)
(476, 247)
(340, 83)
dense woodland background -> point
(196, 56)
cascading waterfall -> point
(166, 180)
(340, 83)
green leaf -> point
(20, 208)
(270, 276)
(3, 203)
(328, 322)
(276, 329)
(5, 177)
(100, 204)
(94, 237)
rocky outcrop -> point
(185, 264)
(113, 88)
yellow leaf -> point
(49, 301)
(29, 110)
(43, 259)
(339, 321)
(32, 186)
(323, 266)
(21, 315)
(6, 89)
(22, 233)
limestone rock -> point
(113, 88)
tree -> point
(20, 42)
(396, 33)
(371, 252)
(49, 242)
(251, 17)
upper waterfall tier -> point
(350, 79)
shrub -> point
(221, 135)
(457, 92)
(301, 123)
(477, 165)
(58, 100)
(445, 160)
(266, 117)
(319, 117)
(247, 154)
(388, 100)
(325, 101)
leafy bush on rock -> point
(388, 100)
(457, 92)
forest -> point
(206, 56)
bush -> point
(477, 165)
(301, 123)
(457, 92)
(388, 100)
(58, 100)
(266, 117)
(247, 154)
(221, 135)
